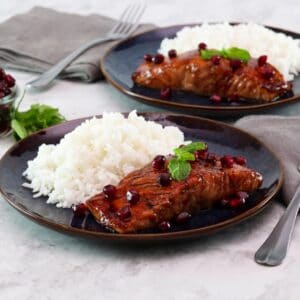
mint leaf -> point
(209, 53)
(184, 155)
(236, 53)
(18, 129)
(192, 147)
(179, 169)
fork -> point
(125, 26)
(273, 251)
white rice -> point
(283, 51)
(97, 153)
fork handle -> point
(47, 77)
(274, 249)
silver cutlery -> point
(274, 249)
(125, 26)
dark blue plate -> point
(122, 60)
(221, 138)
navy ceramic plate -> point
(221, 138)
(123, 59)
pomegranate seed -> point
(109, 191)
(80, 210)
(164, 226)
(10, 81)
(227, 161)
(215, 99)
(148, 57)
(132, 196)
(124, 213)
(262, 60)
(165, 93)
(240, 160)
(211, 158)
(158, 58)
(216, 59)
(172, 53)
(267, 72)
(164, 179)
(158, 162)
(201, 154)
(183, 217)
(235, 64)
(202, 46)
(236, 202)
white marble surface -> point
(37, 263)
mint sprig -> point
(179, 166)
(230, 53)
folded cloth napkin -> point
(282, 135)
(36, 40)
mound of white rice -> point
(97, 153)
(282, 50)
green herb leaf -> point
(236, 53)
(179, 169)
(37, 117)
(184, 155)
(209, 53)
(192, 147)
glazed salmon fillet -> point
(189, 72)
(207, 183)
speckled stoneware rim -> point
(140, 237)
(192, 107)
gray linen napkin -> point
(282, 135)
(36, 40)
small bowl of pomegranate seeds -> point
(8, 94)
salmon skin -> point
(189, 72)
(207, 183)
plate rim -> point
(203, 108)
(138, 237)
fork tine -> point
(120, 20)
(126, 21)
(136, 22)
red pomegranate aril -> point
(240, 160)
(124, 213)
(148, 57)
(262, 60)
(227, 161)
(235, 64)
(165, 93)
(215, 99)
(158, 58)
(202, 46)
(183, 217)
(267, 73)
(212, 158)
(80, 209)
(216, 59)
(158, 162)
(10, 81)
(172, 53)
(132, 196)
(201, 154)
(164, 179)
(236, 202)
(164, 226)
(109, 191)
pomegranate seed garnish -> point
(165, 93)
(109, 191)
(148, 57)
(164, 179)
(158, 58)
(80, 210)
(216, 59)
(262, 60)
(267, 72)
(215, 99)
(124, 213)
(132, 196)
(240, 160)
(158, 162)
(211, 158)
(10, 81)
(202, 46)
(235, 64)
(236, 202)
(172, 53)
(227, 161)
(164, 226)
(183, 217)
(201, 154)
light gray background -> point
(37, 263)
